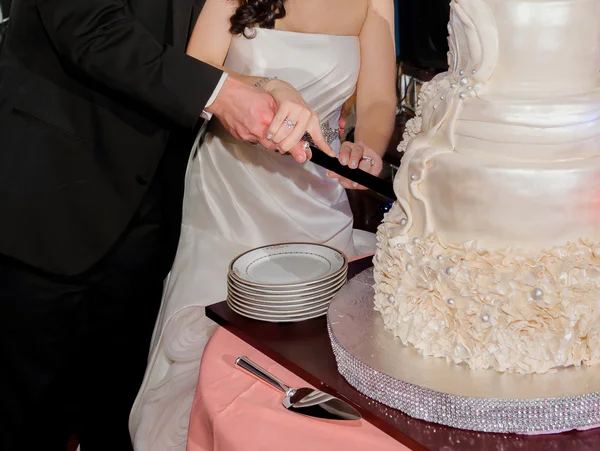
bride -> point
(238, 199)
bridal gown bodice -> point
(323, 68)
(267, 185)
(237, 197)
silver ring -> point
(289, 123)
(369, 159)
(306, 146)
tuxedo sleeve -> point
(103, 39)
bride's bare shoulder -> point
(342, 17)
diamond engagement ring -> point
(306, 146)
(288, 123)
(369, 159)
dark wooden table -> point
(304, 349)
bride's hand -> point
(357, 156)
(293, 119)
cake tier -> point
(548, 47)
(503, 309)
(528, 128)
(501, 171)
(518, 204)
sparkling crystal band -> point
(504, 415)
(330, 133)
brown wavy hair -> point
(256, 13)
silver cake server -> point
(306, 401)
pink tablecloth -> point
(232, 411)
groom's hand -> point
(247, 112)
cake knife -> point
(363, 178)
(306, 401)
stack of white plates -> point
(285, 282)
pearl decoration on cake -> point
(537, 294)
(451, 302)
(403, 221)
(469, 88)
(413, 176)
(450, 271)
(440, 258)
(464, 81)
(463, 95)
(391, 299)
(485, 318)
(408, 266)
(453, 85)
(435, 107)
(416, 240)
(462, 72)
(474, 71)
(442, 97)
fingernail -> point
(353, 164)
(355, 184)
(270, 135)
(344, 160)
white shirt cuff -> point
(205, 114)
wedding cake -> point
(491, 255)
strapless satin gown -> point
(239, 197)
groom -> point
(97, 99)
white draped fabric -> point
(239, 197)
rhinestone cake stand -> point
(377, 364)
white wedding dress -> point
(239, 197)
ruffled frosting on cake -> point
(491, 308)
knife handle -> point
(248, 366)
(363, 178)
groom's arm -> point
(104, 40)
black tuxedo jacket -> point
(90, 92)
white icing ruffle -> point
(411, 129)
(478, 306)
(429, 90)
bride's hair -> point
(256, 13)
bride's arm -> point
(375, 94)
(376, 89)
(211, 38)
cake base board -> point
(378, 365)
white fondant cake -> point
(491, 255)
